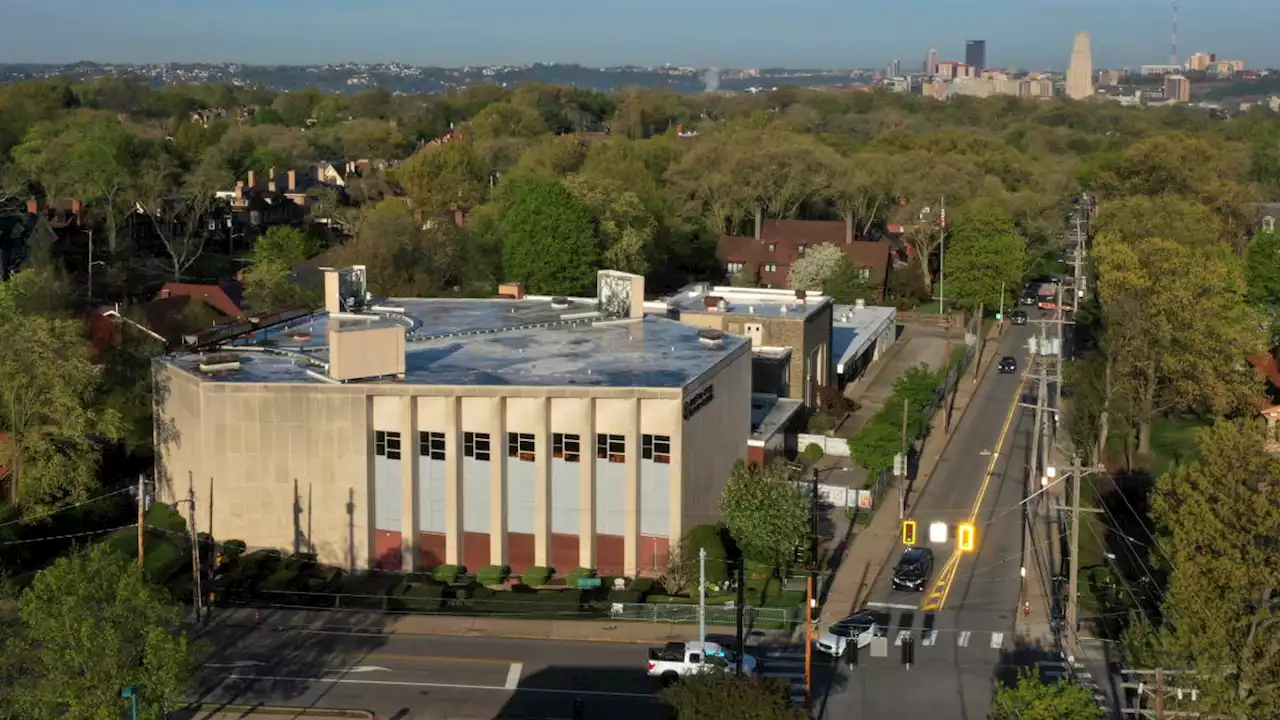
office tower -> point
(975, 55)
(1201, 61)
(1177, 88)
(895, 69)
(1080, 71)
(931, 62)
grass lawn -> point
(1172, 442)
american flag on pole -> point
(942, 217)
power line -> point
(64, 508)
(68, 535)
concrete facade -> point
(401, 474)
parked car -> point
(1019, 317)
(1008, 365)
(913, 570)
(862, 626)
(675, 660)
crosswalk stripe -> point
(997, 640)
(930, 638)
(963, 640)
(902, 635)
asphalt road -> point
(409, 677)
(962, 626)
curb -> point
(326, 713)
(924, 485)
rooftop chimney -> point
(759, 222)
(253, 180)
(293, 181)
(271, 180)
(712, 302)
(512, 290)
(848, 228)
(33, 206)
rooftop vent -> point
(800, 295)
(220, 362)
(560, 303)
(860, 304)
(712, 302)
(711, 338)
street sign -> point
(900, 465)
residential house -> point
(778, 244)
(20, 232)
(1265, 216)
(1265, 363)
(279, 200)
(181, 308)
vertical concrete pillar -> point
(675, 493)
(587, 490)
(498, 481)
(410, 539)
(453, 480)
(542, 486)
(631, 541)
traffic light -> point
(908, 532)
(798, 556)
(966, 537)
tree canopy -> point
(985, 257)
(1033, 699)
(549, 240)
(766, 511)
(717, 696)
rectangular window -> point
(800, 250)
(567, 447)
(431, 445)
(864, 273)
(476, 445)
(521, 445)
(656, 448)
(734, 267)
(386, 444)
(770, 267)
(612, 448)
(773, 247)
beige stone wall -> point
(255, 450)
(713, 440)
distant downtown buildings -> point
(1080, 69)
(975, 54)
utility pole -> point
(195, 551)
(946, 391)
(981, 341)
(742, 599)
(1073, 596)
(808, 643)
(142, 520)
(942, 251)
(902, 480)
(702, 594)
(1001, 313)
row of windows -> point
(523, 446)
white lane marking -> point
(359, 669)
(963, 640)
(513, 675)
(454, 686)
(902, 636)
(930, 638)
(997, 641)
(236, 664)
(892, 606)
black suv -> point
(1019, 317)
(1008, 365)
(913, 569)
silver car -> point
(862, 626)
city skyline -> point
(1033, 35)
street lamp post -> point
(131, 692)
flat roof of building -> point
(761, 302)
(530, 342)
(854, 329)
(769, 413)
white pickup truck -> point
(676, 660)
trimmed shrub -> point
(812, 453)
(708, 537)
(578, 573)
(418, 596)
(629, 597)
(448, 574)
(646, 587)
(537, 575)
(493, 574)
(234, 548)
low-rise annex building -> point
(404, 433)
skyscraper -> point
(895, 69)
(1080, 71)
(931, 62)
(975, 54)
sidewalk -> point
(374, 623)
(863, 561)
(1042, 560)
(215, 711)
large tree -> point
(766, 511)
(407, 256)
(1220, 515)
(268, 281)
(549, 239)
(811, 270)
(48, 389)
(1033, 699)
(625, 227)
(720, 696)
(90, 625)
(985, 256)
(178, 206)
(1176, 328)
(443, 177)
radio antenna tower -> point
(1173, 56)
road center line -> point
(891, 606)
(942, 587)
(455, 686)
(513, 675)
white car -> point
(862, 626)
(678, 659)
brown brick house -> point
(777, 245)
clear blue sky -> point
(725, 33)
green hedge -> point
(629, 597)
(646, 587)
(710, 538)
(448, 574)
(493, 574)
(537, 575)
(578, 573)
(812, 452)
(542, 601)
(418, 596)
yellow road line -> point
(937, 597)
